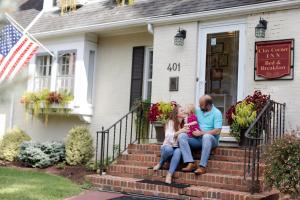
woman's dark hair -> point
(174, 117)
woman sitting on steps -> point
(169, 150)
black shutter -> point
(137, 74)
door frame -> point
(219, 27)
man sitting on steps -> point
(210, 121)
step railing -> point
(268, 126)
(129, 129)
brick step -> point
(223, 181)
(131, 185)
(221, 153)
(214, 166)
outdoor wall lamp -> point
(179, 37)
(260, 29)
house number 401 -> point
(174, 67)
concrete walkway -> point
(96, 195)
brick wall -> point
(282, 25)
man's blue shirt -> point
(209, 120)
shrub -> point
(10, 145)
(41, 155)
(79, 146)
(282, 160)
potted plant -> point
(243, 117)
(158, 116)
(243, 113)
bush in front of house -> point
(282, 160)
(10, 145)
(79, 146)
(41, 155)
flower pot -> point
(243, 139)
(160, 131)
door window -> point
(222, 69)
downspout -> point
(150, 28)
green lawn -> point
(27, 185)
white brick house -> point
(104, 41)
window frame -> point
(51, 61)
(57, 75)
(146, 79)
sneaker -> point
(169, 178)
(157, 167)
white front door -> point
(221, 65)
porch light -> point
(260, 29)
(179, 37)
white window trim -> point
(59, 53)
(35, 69)
(92, 47)
(146, 72)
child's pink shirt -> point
(192, 118)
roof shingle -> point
(105, 12)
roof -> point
(105, 12)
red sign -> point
(273, 58)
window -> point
(54, 3)
(147, 85)
(91, 68)
(66, 71)
(149, 77)
(43, 72)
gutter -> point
(171, 19)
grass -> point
(28, 185)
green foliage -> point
(165, 108)
(282, 161)
(79, 146)
(244, 115)
(61, 165)
(86, 185)
(235, 131)
(18, 184)
(41, 155)
(42, 102)
(92, 165)
(10, 145)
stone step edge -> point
(212, 164)
(156, 148)
(192, 191)
(163, 170)
(154, 156)
(209, 179)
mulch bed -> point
(74, 173)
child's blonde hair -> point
(190, 109)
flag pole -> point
(25, 31)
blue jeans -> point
(205, 143)
(170, 153)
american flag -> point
(16, 49)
